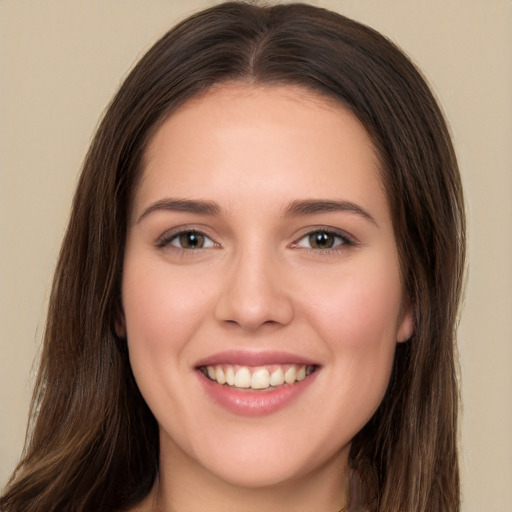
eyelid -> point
(168, 236)
(347, 239)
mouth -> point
(257, 378)
(256, 383)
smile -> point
(257, 377)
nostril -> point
(249, 312)
(253, 293)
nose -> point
(255, 294)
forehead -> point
(289, 137)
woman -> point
(255, 303)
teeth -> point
(277, 377)
(290, 375)
(260, 377)
(219, 375)
(230, 376)
(243, 378)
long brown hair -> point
(93, 443)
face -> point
(261, 289)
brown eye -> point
(322, 240)
(190, 240)
(187, 240)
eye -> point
(323, 240)
(187, 240)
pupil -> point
(321, 240)
(191, 240)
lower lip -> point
(254, 403)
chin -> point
(259, 474)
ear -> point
(406, 324)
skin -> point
(258, 285)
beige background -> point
(62, 60)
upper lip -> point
(254, 358)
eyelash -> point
(168, 238)
(342, 240)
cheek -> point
(161, 312)
(358, 319)
(362, 310)
(358, 322)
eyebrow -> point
(295, 208)
(316, 206)
(183, 205)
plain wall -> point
(62, 60)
